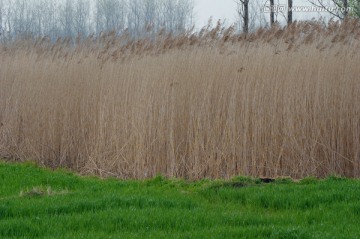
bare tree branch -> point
(243, 11)
(341, 15)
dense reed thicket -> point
(277, 102)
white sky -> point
(226, 9)
(218, 9)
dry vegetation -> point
(278, 102)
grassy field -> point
(39, 203)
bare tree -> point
(135, 17)
(67, 18)
(50, 18)
(18, 17)
(290, 15)
(342, 10)
(22, 18)
(7, 21)
(272, 12)
(168, 13)
(56, 18)
(38, 24)
(151, 22)
(243, 12)
(110, 15)
(150, 11)
(256, 15)
(1, 18)
(356, 7)
(82, 19)
(184, 14)
(276, 11)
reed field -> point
(211, 104)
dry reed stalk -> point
(182, 108)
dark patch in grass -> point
(267, 180)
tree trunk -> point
(272, 13)
(346, 5)
(246, 16)
(290, 4)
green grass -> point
(39, 203)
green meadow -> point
(40, 203)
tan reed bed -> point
(278, 102)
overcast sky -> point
(226, 9)
(218, 9)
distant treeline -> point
(73, 18)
